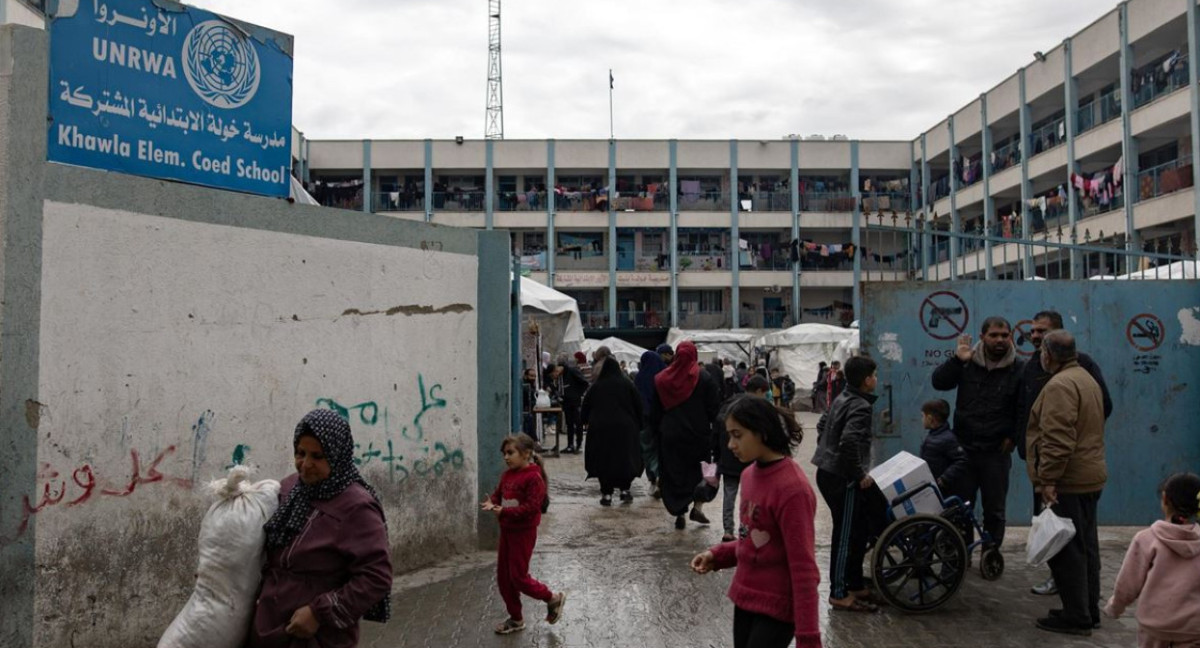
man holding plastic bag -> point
(1065, 449)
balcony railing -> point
(694, 261)
(826, 201)
(1104, 109)
(511, 201)
(1047, 137)
(884, 201)
(1006, 156)
(1165, 178)
(594, 319)
(581, 200)
(779, 260)
(642, 319)
(643, 203)
(776, 201)
(397, 201)
(704, 201)
(466, 200)
(704, 320)
(1153, 85)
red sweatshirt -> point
(776, 558)
(520, 493)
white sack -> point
(1048, 535)
(231, 550)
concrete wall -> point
(155, 333)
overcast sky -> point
(753, 69)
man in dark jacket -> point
(1033, 379)
(987, 377)
(843, 459)
(574, 386)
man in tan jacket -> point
(1065, 449)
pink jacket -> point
(776, 559)
(1162, 572)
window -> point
(700, 301)
(654, 244)
(534, 242)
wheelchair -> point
(919, 561)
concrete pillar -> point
(989, 205)
(794, 185)
(489, 184)
(928, 242)
(368, 186)
(23, 102)
(955, 223)
(612, 234)
(428, 180)
(673, 182)
(1026, 187)
(1071, 104)
(1129, 151)
(1193, 71)
(551, 210)
(735, 257)
(856, 228)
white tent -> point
(298, 194)
(556, 314)
(1177, 270)
(797, 351)
(626, 352)
(736, 344)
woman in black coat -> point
(686, 403)
(612, 409)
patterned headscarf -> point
(333, 432)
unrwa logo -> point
(220, 64)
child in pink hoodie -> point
(1162, 571)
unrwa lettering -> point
(133, 58)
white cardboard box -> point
(903, 473)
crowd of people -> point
(689, 427)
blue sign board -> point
(156, 88)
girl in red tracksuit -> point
(517, 503)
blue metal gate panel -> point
(1145, 335)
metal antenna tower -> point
(494, 119)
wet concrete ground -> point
(626, 571)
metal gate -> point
(1145, 335)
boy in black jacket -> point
(843, 459)
(940, 449)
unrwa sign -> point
(159, 89)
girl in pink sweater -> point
(774, 589)
(1162, 571)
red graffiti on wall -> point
(54, 486)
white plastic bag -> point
(1048, 535)
(709, 471)
(231, 553)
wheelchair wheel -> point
(919, 563)
(991, 564)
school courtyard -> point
(625, 569)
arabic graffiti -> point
(88, 483)
(425, 458)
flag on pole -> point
(610, 80)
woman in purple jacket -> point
(327, 547)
